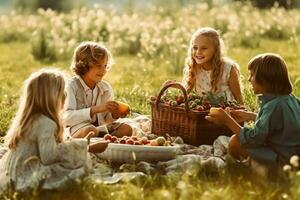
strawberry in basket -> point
(196, 102)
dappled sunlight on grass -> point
(149, 48)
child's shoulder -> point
(72, 82)
(44, 121)
(229, 63)
(104, 85)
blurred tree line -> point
(67, 5)
(59, 5)
(270, 3)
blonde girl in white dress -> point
(207, 70)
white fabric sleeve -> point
(71, 154)
(73, 116)
(47, 145)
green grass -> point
(134, 81)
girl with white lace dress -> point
(207, 70)
(37, 155)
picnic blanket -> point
(187, 159)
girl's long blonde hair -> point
(43, 94)
(218, 59)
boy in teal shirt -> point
(275, 136)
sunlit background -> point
(148, 40)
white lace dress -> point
(38, 161)
(203, 81)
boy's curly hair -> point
(87, 53)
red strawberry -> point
(179, 99)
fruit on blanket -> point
(160, 141)
(137, 143)
(107, 137)
(144, 140)
(130, 141)
(134, 140)
(113, 139)
(122, 141)
(123, 108)
(153, 143)
(134, 137)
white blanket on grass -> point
(188, 159)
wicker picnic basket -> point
(190, 125)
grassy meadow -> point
(149, 47)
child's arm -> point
(112, 113)
(52, 152)
(109, 106)
(234, 84)
(242, 115)
(247, 136)
(220, 116)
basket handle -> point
(177, 86)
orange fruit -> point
(123, 108)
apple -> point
(113, 139)
(153, 143)
(129, 141)
(122, 141)
(107, 137)
(160, 140)
(144, 140)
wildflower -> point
(165, 194)
(287, 168)
(285, 196)
(181, 185)
(294, 161)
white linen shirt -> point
(79, 100)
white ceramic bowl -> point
(125, 153)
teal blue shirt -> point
(276, 133)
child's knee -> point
(90, 128)
(235, 149)
(233, 146)
(124, 130)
